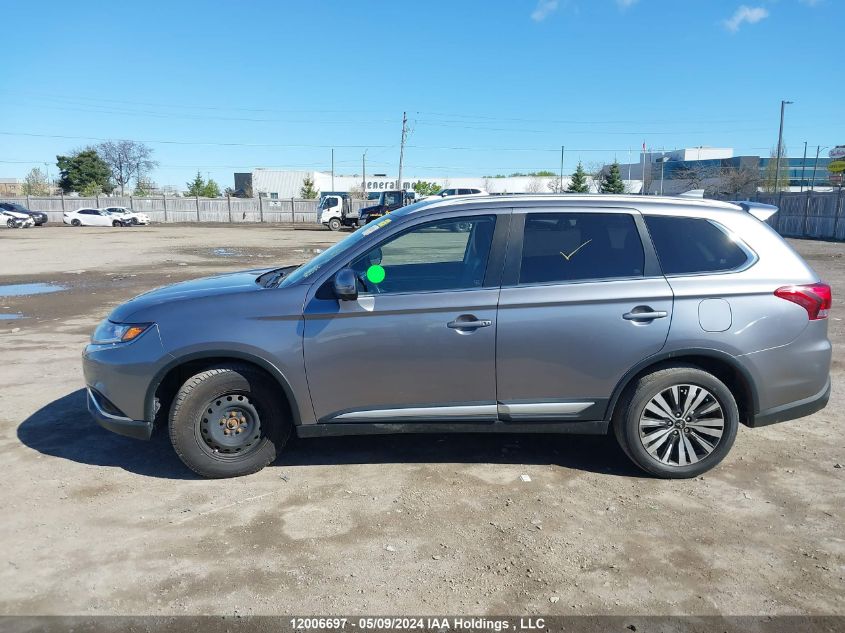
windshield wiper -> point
(273, 277)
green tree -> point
(307, 190)
(611, 182)
(91, 189)
(84, 169)
(196, 188)
(424, 188)
(35, 183)
(578, 183)
(211, 189)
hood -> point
(205, 287)
(17, 214)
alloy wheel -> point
(681, 425)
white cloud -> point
(543, 9)
(624, 4)
(744, 14)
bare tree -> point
(695, 176)
(127, 160)
(35, 183)
(535, 185)
(739, 181)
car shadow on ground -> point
(64, 429)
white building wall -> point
(287, 184)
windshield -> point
(308, 269)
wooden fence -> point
(173, 209)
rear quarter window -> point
(694, 245)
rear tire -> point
(228, 421)
(116, 223)
(650, 422)
(75, 222)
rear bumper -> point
(793, 410)
(111, 421)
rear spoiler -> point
(759, 210)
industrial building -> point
(283, 184)
(675, 171)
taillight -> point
(816, 299)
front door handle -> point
(468, 323)
(644, 313)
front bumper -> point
(793, 410)
(111, 421)
(119, 380)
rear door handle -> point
(644, 315)
(457, 324)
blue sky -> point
(489, 86)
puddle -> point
(10, 317)
(228, 252)
(23, 290)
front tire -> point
(676, 422)
(334, 224)
(228, 421)
(10, 223)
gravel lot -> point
(99, 524)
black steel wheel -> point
(228, 421)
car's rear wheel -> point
(677, 422)
(228, 421)
(116, 223)
(75, 222)
(334, 224)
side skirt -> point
(598, 427)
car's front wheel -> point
(334, 224)
(677, 422)
(10, 223)
(228, 421)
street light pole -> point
(364, 174)
(803, 164)
(815, 164)
(783, 105)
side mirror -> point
(345, 285)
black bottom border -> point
(424, 624)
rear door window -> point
(694, 245)
(564, 247)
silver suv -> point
(669, 321)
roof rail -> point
(757, 209)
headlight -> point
(108, 332)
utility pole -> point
(783, 105)
(364, 174)
(815, 164)
(402, 147)
(560, 187)
(803, 164)
(332, 168)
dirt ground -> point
(94, 523)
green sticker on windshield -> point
(375, 274)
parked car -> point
(16, 220)
(133, 217)
(94, 217)
(38, 217)
(667, 322)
